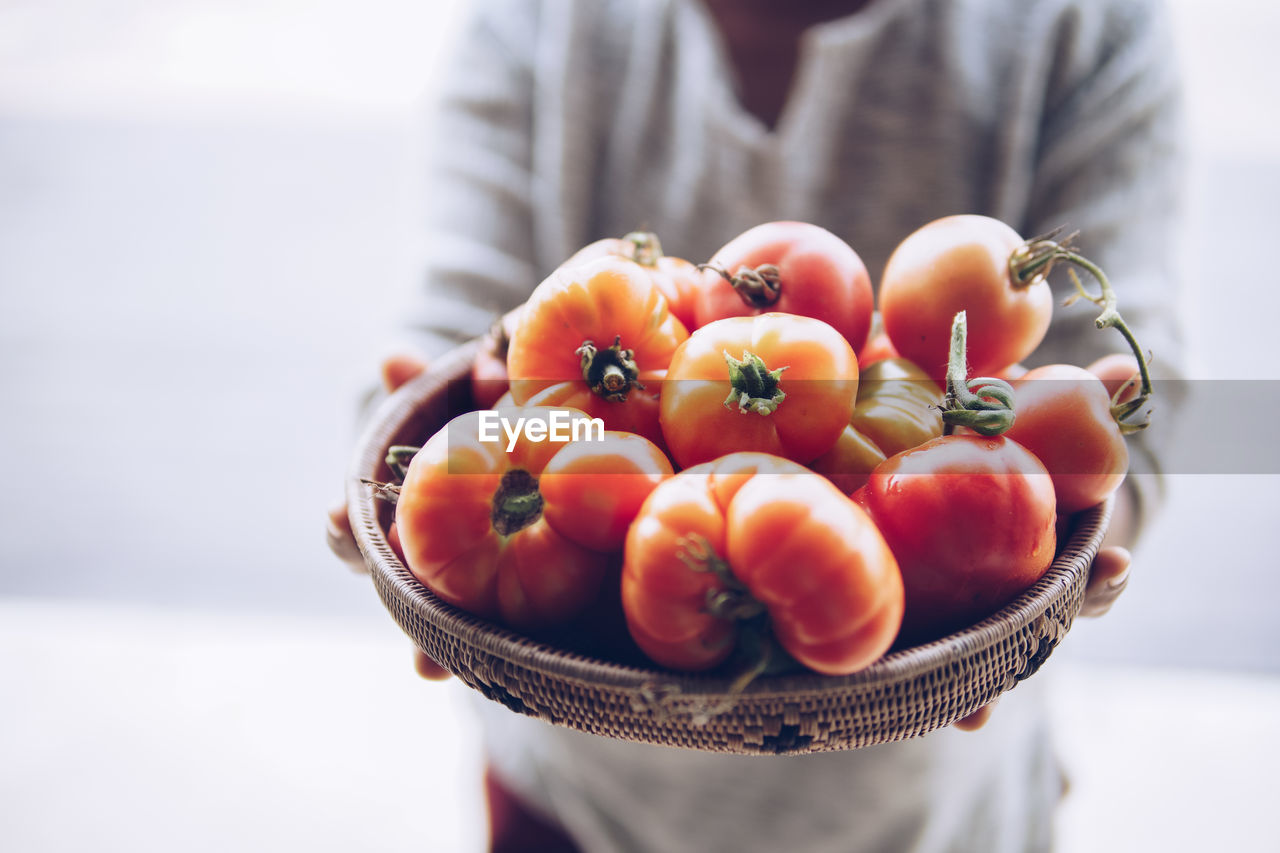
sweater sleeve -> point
(480, 239)
(1110, 166)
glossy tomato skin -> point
(788, 540)
(594, 489)
(538, 573)
(971, 521)
(819, 379)
(961, 263)
(1064, 418)
(897, 409)
(601, 302)
(819, 275)
(489, 369)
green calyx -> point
(755, 388)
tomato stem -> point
(610, 373)
(646, 249)
(985, 404)
(759, 287)
(398, 458)
(1110, 318)
(517, 503)
(389, 492)
(755, 388)
(1037, 258)
(731, 599)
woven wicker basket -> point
(908, 693)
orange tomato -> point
(962, 263)
(480, 529)
(774, 383)
(596, 337)
(752, 543)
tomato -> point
(1119, 373)
(774, 383)
(962, 263)
(596, 337)
(793, 268)
(678, 279)
(897, 409)
(489, 369)
(478, 528)
(970, 520)
(593, 489)
(1063, 416)
(754, 542)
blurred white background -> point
(208, 212)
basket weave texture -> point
(907, 693)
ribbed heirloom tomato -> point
(505, 521)
(596, 337)
(678, 279)
(753, 542)
(772, 383)
(793, 268)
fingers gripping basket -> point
(907, 693)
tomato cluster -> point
(753, 466)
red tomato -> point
(489, 370)
(793, 268)
(971, 523)
(1063, 416)
(773, 383)
(962, 263)
(478, 528)
(596, 337)
(749, 536)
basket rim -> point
(395, 411)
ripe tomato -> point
(678, 279)
(897, 409)
(721, 545)
(962, 263)
(593, 489)
(479, 530)
(1119, 373)
(1064, 418)
(793, 268)
(489, 370)
(774, 383)
(971, 523)
(596, 337)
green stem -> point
(755, 388)
(646, 249)
(1037, 258)
(398, 458)
(985, 404)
